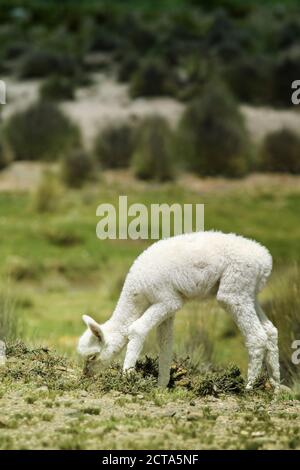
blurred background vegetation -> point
(165, 101)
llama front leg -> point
(165, 342)
(139, 329)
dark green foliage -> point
(57, 89)
(39, 63)
(153, 156)
(212, 136)
(41, 132)
(128, 65)
(251, 78)
(4, 158)
(151, 79)
(114, 146)
(287, 70)
(227, 380)
(77, 168)
(281, 152)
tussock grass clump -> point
(114, 145)
(212, 136)
(153, 156)
(280, 152)
(10, 326)
(48, 194)
(58, 89)
(78, 167)
(46, 368)
(38, 365)
(227, 380)
(40, 132)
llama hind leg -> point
(165, 342)
(243, 311)
(272, 354)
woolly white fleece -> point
(177, 269)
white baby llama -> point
(177, 269)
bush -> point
(77, 167)
(212, 135)
(48, 194)
(41, 132)
(128, 65)
(39, 63)
(57, 89)
(152, 158)
(151, 79)
(114, 146)
(251, 79)
(281, 152)
(286, 71)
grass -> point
(57, 261)
(47, 404)
(59, 270)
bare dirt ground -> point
(40, 419)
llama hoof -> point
(129, 372)
(279, 388)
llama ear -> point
(93, 326)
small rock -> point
(43, 388)
(84, 393)
(192, 403)
(257, 434)
(140, 397)
(169, 414)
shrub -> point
(41, 132)
(281, 152)
(128, 65)
(151, 79)
(114, 146)
(48, 194)
(212, 134)
(57, 89)
(251, 79)
(77, 167)
(38, 63)
(286, 70)
(152, 158)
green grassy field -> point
(58, 269)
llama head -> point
(92, 346)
